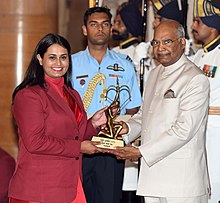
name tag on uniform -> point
(81, 76)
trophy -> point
(109, 137)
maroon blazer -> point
(49, 159)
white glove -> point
(141, 51)
(188, 47)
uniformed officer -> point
(94, 70)
(206, 29)
(127, 28)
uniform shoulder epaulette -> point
(129, 59)
(122, 56)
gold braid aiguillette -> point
(87, 98)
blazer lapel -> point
(78, 101)
(60, 102)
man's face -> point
(167, 47)
(97, 29)
(157, 20)
(200, 31)
(119, 31)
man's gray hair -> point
(180, 31)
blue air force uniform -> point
(103, 174)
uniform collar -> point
(212, 45)
(92, 58)
(129, 42)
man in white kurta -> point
(172, 125)
(206, 28)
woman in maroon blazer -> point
(53, 129)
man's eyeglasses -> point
(165, 42)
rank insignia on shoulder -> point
(115, 67)
(129, 59)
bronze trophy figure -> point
(110, 135)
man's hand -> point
(124, 129)
(127, 152)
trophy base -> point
(108, 143)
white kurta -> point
(173, 162)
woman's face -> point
(55, 61)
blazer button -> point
(77, 138)
(77, 158)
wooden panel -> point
(27, 23)
(74, 33)
(29, 7)
(22, 24)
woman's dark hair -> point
(92, 10)
(35, 73)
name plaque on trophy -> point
(108, 143)
(110, 137)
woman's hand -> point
(89, 147)
(99, 118)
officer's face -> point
(97, 29)
(200, 31)
(118, 25)
(167, 46)
(157, 20)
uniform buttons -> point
(156, 93)
(150, 111)
(77, 158)
(77, 138)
